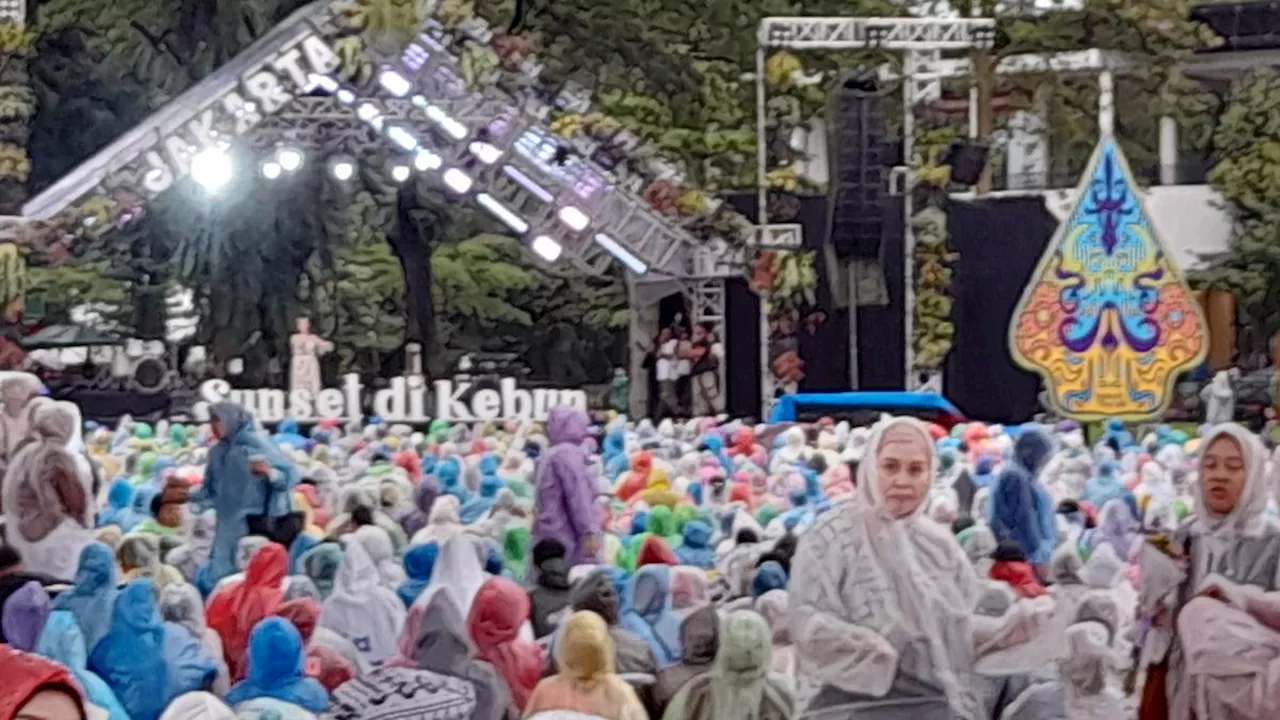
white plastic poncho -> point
(382, 552)
(361, 610)
(877, 600)
(457, 572)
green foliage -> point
(1247, 145)
(62, 287)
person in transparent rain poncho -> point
(882, 598)
(1221, 622)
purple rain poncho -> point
(565, 507)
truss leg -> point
(641, 331)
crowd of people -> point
(705, 570)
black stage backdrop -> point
(824, 346)
(1000, 241)
(881, 365)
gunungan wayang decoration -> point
(1107, 319)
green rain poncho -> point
(683, 514)
(515, 550)
(662, 522)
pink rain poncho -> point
(499, 610)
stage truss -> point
(921, 42)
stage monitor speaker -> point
(860, 165)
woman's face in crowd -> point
(49, 705)
(1222, 474)
(903, 470)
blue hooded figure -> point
(639, 522)
(162, 463)
(714, 444)
(119, 509)
(1115, 430)
(493, 559)
(801, 513)
(276, 664)
(647, 613)
(695, 547)
(419, 561)
(615, 444)
(62, 642)
(142, 497)
(490, 485)
(93, 596)
(1105, 486)
(984, 473)
(769, 576)
(449, 477)
(287, 435)
(812, 486)
(1022, 510)
(428, 463)
(302, 545)
(231, 488)
(617, 465)
(146, 661)
(696, 493)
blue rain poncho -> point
(1105, 486)
(715, 445)
(647, 613)
(146, 661)
(475, 508)
(302, 545)
(236, 493)
(1022, 510)
(449, 477)
(94, 594)
(287, 435)
(276, 663)
(696, 547)
(62, 642)
(419, 561)
(119, 509)
(769, 576)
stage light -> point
(425, 160)
(487, 153)
(400, 173)
(419, 101)
(500, 211)
(290, 159)
(367, 111)
(271, 170)
(457, 180)
(574, 218)
(402, 137)
(632, 262)
(546, 248)
(212, 168)
(454, 128)
(343, 169)
(395, 83)
(527, 183)
(346, 97)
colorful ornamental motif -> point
(1107, 320)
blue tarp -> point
(786, 407)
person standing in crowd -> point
(565, 506)
(1221, 624)
(237, 488)
(48, 495)
(704, 354)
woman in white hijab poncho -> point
(382, 552)
(48, 496)
(882, 596)
(457, 572)
(1224, 659)
(362, 610)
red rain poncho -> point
(25, 674)
(1019, 576)
(235, 609)
(499, 610)
(637, 479)
(654, 551)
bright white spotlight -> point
(290, 159)
(574, 218)
(487, 153)
(633, 263)
(343, 170)
(457, 180)
(400, 173)
(454, 128)
(500, 211)
(212, 168)
(419, 101)
(546, 248)
(527, 183)
(367, 111)
(402, 137)
(346, 97)
(271, 170)
(395, 83)
(425, 160)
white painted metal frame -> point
(922, 41)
